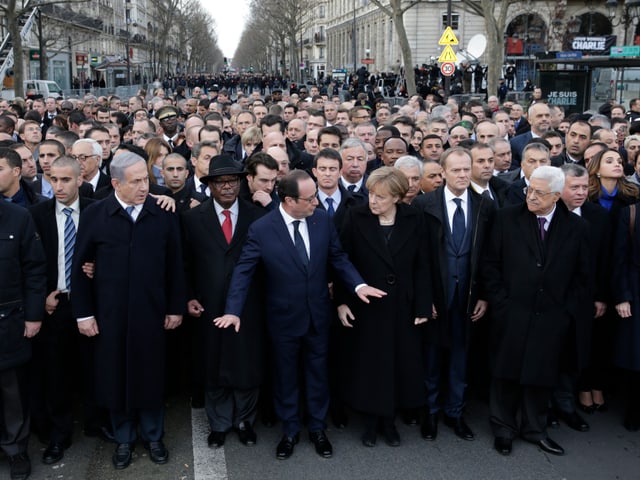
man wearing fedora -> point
(213, 234)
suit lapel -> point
(373, 235)
(282, 233)
(211, 224)
(530, 234)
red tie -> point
(226, 225)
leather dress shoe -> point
(322, 444)
(122, 456)
(575, 421)
(460, 427)
(216, 439)
(429, 428)
(391, 435)
(285, 447)
(550, 446)
(503, 445)
(55, 452)
(158, 453)
(246, 435)
(20, 466)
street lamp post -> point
(126, 21)
(630, 16)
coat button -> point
(391, 279)
(538, 265)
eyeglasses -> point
(82, 158)
(536, 193)
(221, 183)
(308, 199)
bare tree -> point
(13, 10)
(395, 10)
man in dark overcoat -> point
(537, 288)
(457, 299)
(234, 362)
(137, 292)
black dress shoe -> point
(503, 445)
(550, 446)
(429, 428)
(285, 447)
(216, 439)
(55, 452)
(158, 453)
(122, 456)
(20, 466)
(391, 435)
(460, 427)
(369, 438)
(575, 421)
(246, 435)
(322, 444)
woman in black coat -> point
(383, 363)
(626, 296)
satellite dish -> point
(475, 49)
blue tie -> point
(351, 188)
(130, 210)
(458, 229)
(69, 243)
(299, 243)
(330, 209)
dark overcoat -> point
(232, 359)
(383, 359)
(22, 283)
(482, 210)
(138, 279)
(537, 292)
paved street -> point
(606, 452)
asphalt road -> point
(607, 451)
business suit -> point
(56, 346)
(138, 279)
(510, 176)
(298, 308)
(537, 290)
(456, 292)
(233, 362)
(347, 201)
(514, 194)
(517, 145)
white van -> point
(36, 88)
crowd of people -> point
(295, 258)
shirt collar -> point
(233, 208)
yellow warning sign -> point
(448, 55)
(448, 38)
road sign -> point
(447, 69)
(448, 55)
(367, 61)
(448, 37)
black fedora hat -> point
(223, 165)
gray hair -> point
(553, 175)
(352, 143)
(408, 161)
(631, 138)
(440, 111)
(121, 162)
(95, 146)
(573, 170)
(535, 146)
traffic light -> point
(226, 61)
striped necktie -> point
(69, 243)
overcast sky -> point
(230, 20)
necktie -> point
(330, 209)
(299, 243)
(203, 189)
(351, 188)
(542, 221)
(129, 210)
(458, 224)
(171, 144)
(69, 243)
(487, 194)
(227, 228)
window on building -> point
(321, 11)
(455, 19)
(321, 52)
